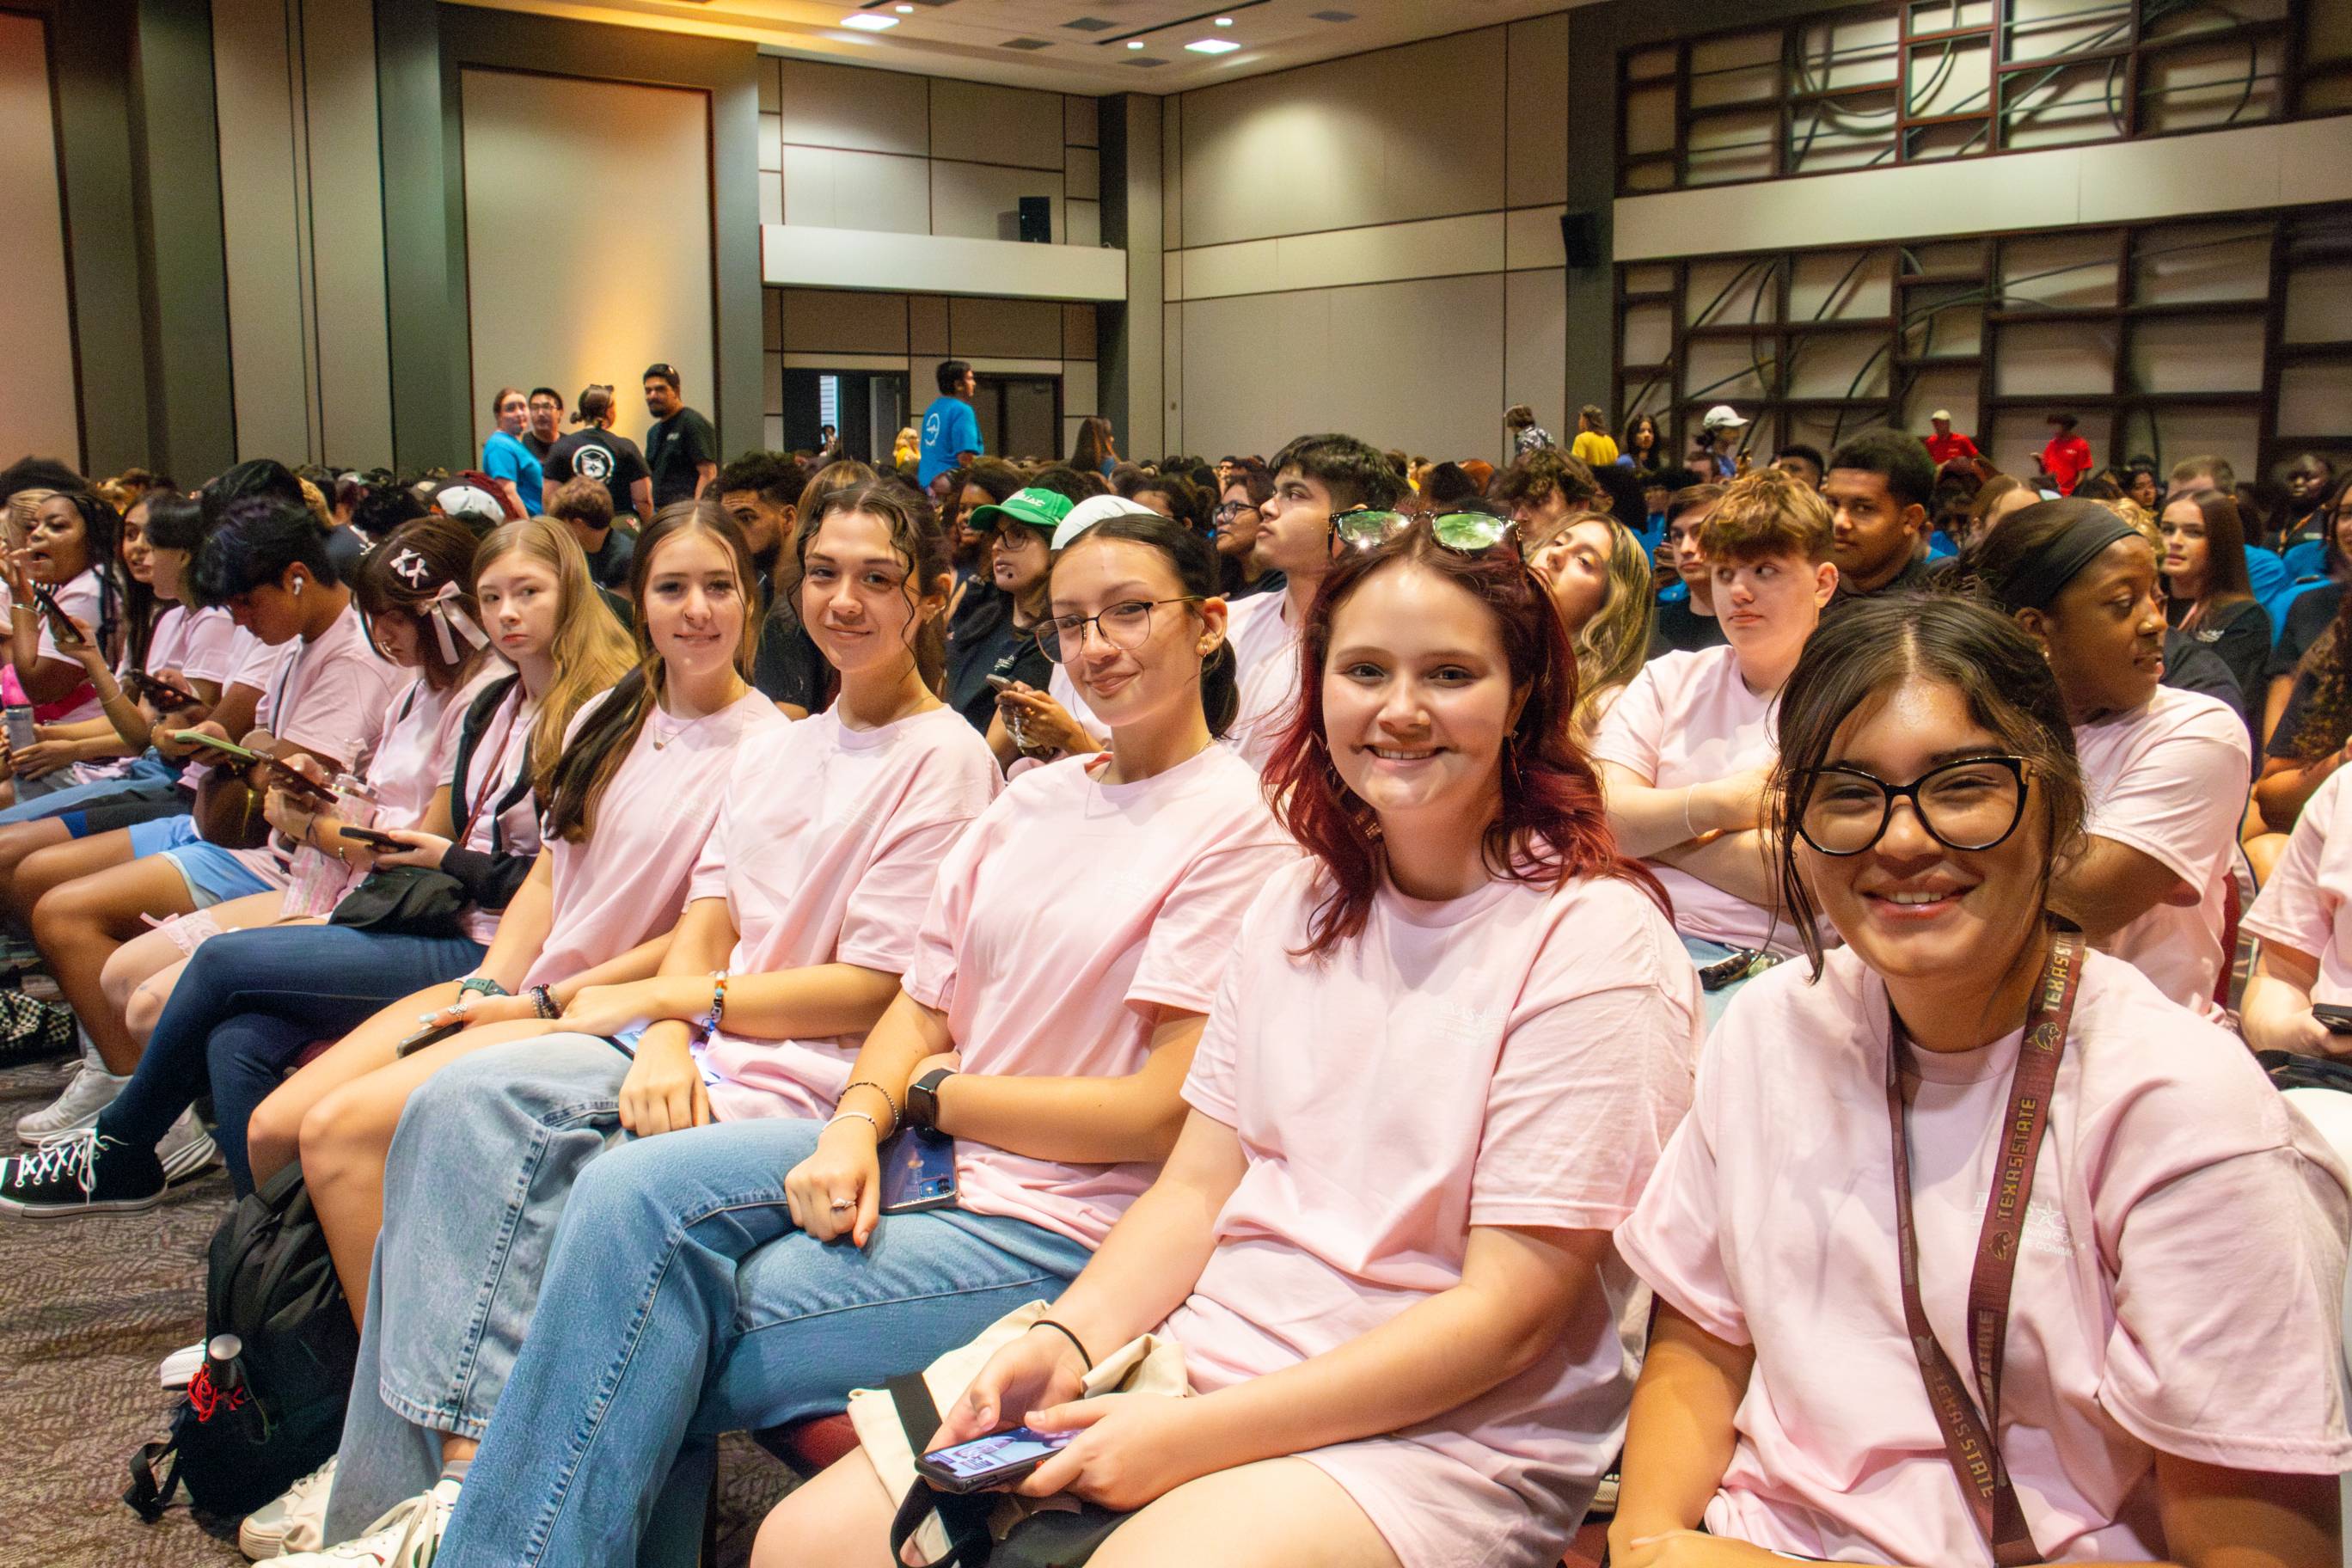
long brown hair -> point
(916, 536)
(607, 736)
(400, 575)
(1551, 826)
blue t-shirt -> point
(505, 458)
(949, 427)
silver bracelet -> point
(1689, 832)
(846, 1115)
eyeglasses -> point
(1223, 516)
(1464, 532)
(1971, 805)
(1123, 626)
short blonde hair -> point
(1767, 513)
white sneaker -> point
(91, 1091)
(295, 1521)
(407, 1537)
(179, 1368)
(187, 1149)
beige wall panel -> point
(1443, 245)
(774, 431)
(772, 198)
(1535, 355)
(1531, 238)
(924, 263)
(771, 141)
(977, 200)
(263, 234)
(774, 365)
(1172, 172)
(1079, 122)
(1404, 134)
(771, 94)
(354, 351)
(1082, 177)
(1002, 124)
(1535, 106)
(1005, 328)
(927, 324)
(1252, 267)
(1079, 324)
(862, 111)
(828, 189)
(772, 318)
(572, 317)
(851, 322)
(1259, 369)
(1081, 223)
(1141, 326)
(1081, 390)
(37, 402)
(1171, 370)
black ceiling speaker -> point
(1037, 220)
(1580, 236)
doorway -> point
(1020, 416)
(866, 406)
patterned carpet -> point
(88, 1307)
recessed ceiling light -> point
(867, 22)
(905, 10)
(1224, 21)
(1135, 42)
(1213, 46)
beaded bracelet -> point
(897, 1117)
(544, 1003)
(718, 1003)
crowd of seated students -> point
(1420, 950)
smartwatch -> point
(923, 1100)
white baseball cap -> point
(1722, 417)
(1092, 511)
(470, 503)
(1943, 413)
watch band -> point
(923, 1099)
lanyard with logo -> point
(1970, 1440)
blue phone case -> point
(917, 1172)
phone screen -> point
(917, 1172)
(984, 1457)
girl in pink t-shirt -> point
(2118, 1236)
(1050, 1007)
(1446, 1055)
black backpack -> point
(252, 1425)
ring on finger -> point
(839, 1207)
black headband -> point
(2042, 576)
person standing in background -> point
(595, 452)
(505, 459)
(1593, 445)
(1945, 443)
(2068, 456)
(546, 426)
(1096, 452)
(950, 428)
(681, 450)
(1719, 442)
(1526, 436)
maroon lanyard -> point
(1970, 1438)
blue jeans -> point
(680, 1303)
(146, 779)
(245, 1007)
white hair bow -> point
(448, 616)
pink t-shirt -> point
(1258, 629)
(79, 598)
(2179, 1289)
(1689, 718)
(2302, 906)
(826, 850)
(2170, 781)
(1069, 914)
(330, 697)
(209, 652)
(411, 758)
(1269, 682)
(1518, 1056)
(500, 755)
(254, 663)
(627, 881)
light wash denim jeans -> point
(53, 794)
(679, 1302)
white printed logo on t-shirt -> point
(593, 463)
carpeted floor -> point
(88, 1307)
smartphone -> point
(999, 682)
(997, 1460)
(165, 694)
(918, 1172)
(288, 778)
(215, 743)
(373, 839)
(2338, 1019)
(61, 627)
(431, 1035)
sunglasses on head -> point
(1464, 532)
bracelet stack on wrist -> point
(887, 1099)
(717, 1003)
(542, 1002)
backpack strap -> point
(965, 1517)
(147, 1499)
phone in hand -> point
(164, 695)
(431, 1035)
(2336, 1019)
(220, 743)
(997, 1460)
(918, 1172)
(374, 840)
(999, 682)
(61, 628)
(285, 776)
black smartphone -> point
(918, 1172)
(165, 695)
(996, 1460)
(2338, 1019)
(431, 1035)
(374, 840)
(61, 627)
(286, 777)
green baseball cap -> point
(1040, 509)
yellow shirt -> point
(1593, 449)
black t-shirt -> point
(540, 448)
(674, 448)
(2240, 636)
(983, 641)
(613, 461)
(790, 669)
(609, 563)
(2307, 617)
(1681, 629)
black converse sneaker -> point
(84, 1173)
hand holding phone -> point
(219, 744)
(371, 838)
(431, 1035)
(62, 630)
(998, 1460)
(2334, 1019)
